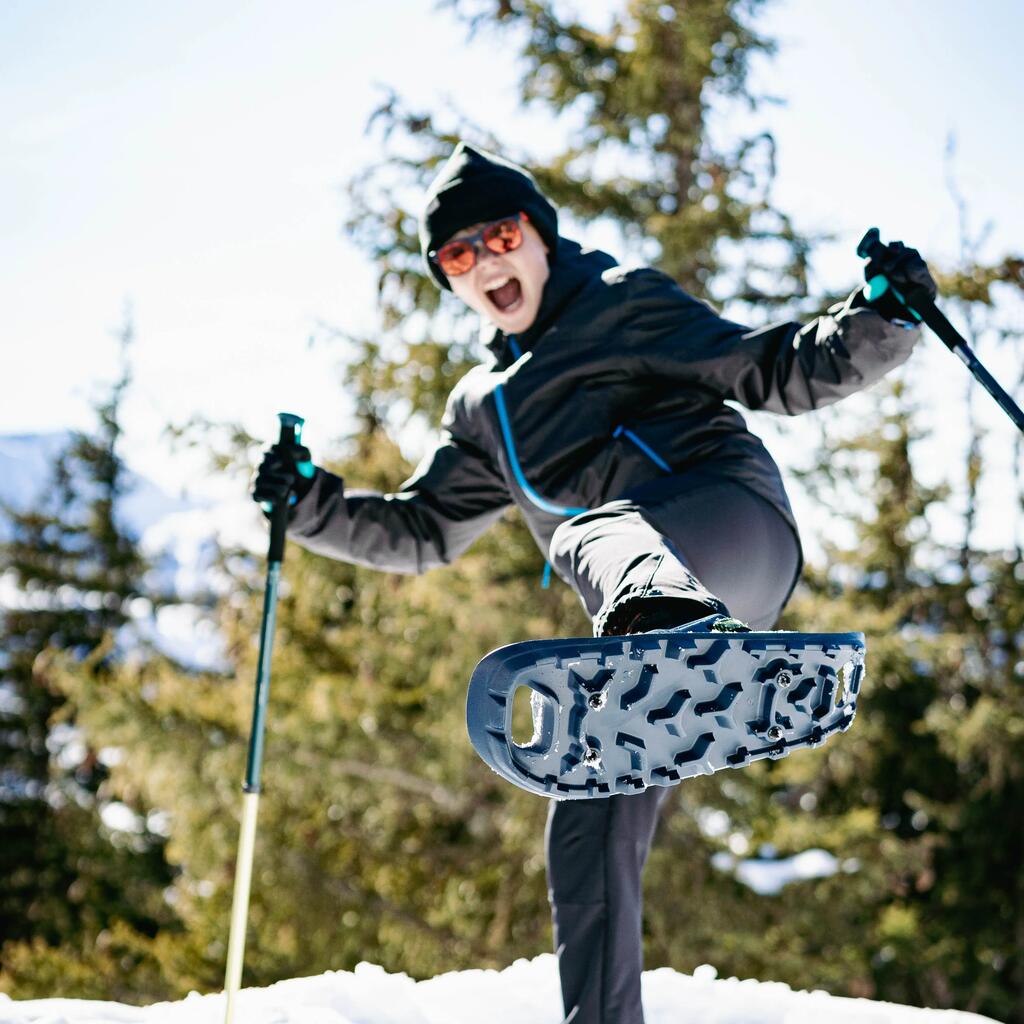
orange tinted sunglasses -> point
(499, 236)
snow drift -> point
(525, 993)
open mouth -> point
(506, 294)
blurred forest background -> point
(381, 836)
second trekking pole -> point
(291, 435)
(924, 309)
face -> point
(505, 288)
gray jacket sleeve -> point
(454, 495)
(785, 367)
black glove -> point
(285, 474)
(905, 270)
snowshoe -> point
(617, 714)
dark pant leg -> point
(736, 543)
(612, 555)
(716, 545)
(596, 851)
(686, 542)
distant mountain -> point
(26, 463)
(181, 538)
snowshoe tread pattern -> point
(617, 714)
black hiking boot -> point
(657, 614)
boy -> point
(601, 414)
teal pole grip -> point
(869, 247)
(876, 287)
(291, 432)
(291, 435)
(291, 428)
(870, 243)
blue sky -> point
(189, 158)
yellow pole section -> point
(240, 902)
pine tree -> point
(642, 94)
(65, 877)
(428, 862)
(374, 666)
(927, 905)
(925, 908)
(914, 801)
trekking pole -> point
(291, 434)
(920, 304)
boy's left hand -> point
(904, 268)
(280, 478)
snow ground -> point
(525, 993)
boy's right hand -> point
(904, 269)
(285, 474)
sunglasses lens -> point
(503, 236)
(456, 258)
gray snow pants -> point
(688, 536)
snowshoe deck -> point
(617, 714)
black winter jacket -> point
(622, 378)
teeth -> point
(498, 283)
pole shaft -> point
(251, 795)
(240, 901)
(254, 761)
(991, 385)
(952, 339)
(291, 433)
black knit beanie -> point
(475, 186)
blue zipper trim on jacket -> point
(510, 449)
(545, 580)
(517, 471)
(645, 448)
